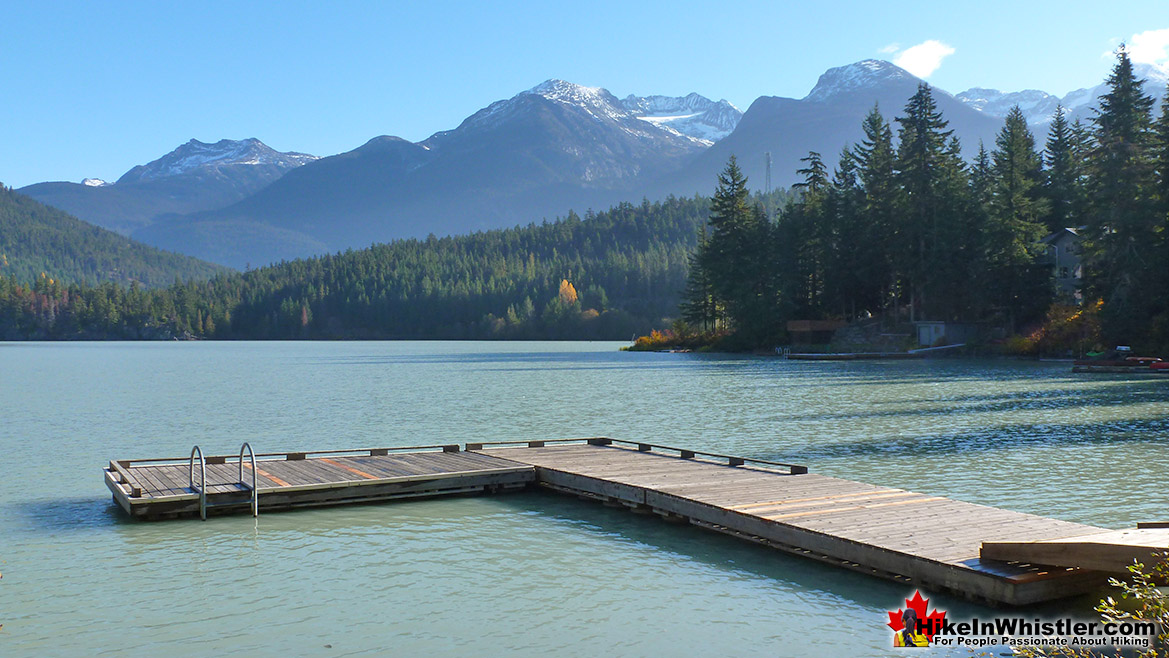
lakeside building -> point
(1063, 251)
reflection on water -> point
(522, 574)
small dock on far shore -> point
(915, 538)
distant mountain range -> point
(1039, 106)
(545, 150)
(195, 176)
(827, 120)
(555, 147)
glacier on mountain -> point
(693, 116)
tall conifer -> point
(881, 229)
(1063, 179)
(1122, 220)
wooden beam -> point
(1112, 551)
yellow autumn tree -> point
(567, 292)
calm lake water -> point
(526, 574)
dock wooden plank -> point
(1108, 551)
(909, 530)
(922, 538)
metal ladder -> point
(202, 488)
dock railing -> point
(683, 453)
(294, 455)
(254, 486)
(202, 490)
(641, 446)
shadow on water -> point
(738, 558)
(1132, 433)
(75, 515)
(680, 544)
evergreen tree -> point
(1160, 276)
(981, 178)
(1122, 222)
(699, 305)
(848, 289)
(1014, 224)
(808, 225)
(880, 228)
(735, 260)
(1016, 202)
(931, 176)
(1063, 180)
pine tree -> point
(1063, 178)
(848, 289)
(1122, 224)
(1016, 205)
(699, 306)
(815, 174)
(981, 177)
(807, 223)
(1014, 224)
(932, 180)
(1160, 280)
(881, 230)
(734, 260)
(1161, 157)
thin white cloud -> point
(890, 49)
(1150, 47)
(924, 58)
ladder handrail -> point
(202, 480)
(254, 487)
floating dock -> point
(915, 538)
(850, 356)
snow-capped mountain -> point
(859, 78)
(194, 177)
(591, 136)
(592, 104)
(1039, 106)
(827, 120)
(693, 115)
(225, 153)
(1081, 102)
(537, 154)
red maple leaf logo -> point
(929, 623)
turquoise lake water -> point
(530, 574)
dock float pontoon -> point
(915, 538)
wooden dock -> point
(919, 539)
(171, 488)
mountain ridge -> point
(193, 177)
(536, 154)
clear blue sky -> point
(94, 88)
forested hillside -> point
(37, 239)
(906, 229)
(608, 275)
